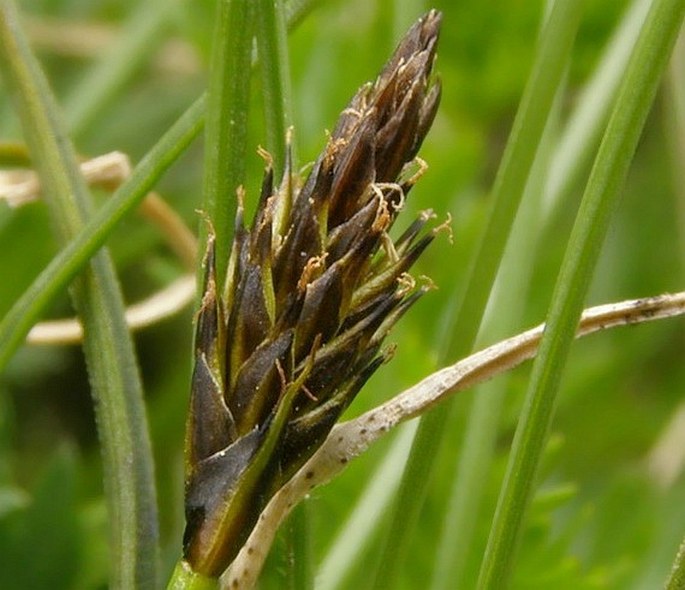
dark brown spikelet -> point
(313, 288)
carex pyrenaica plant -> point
(313, 287)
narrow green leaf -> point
(574, 147)
(116, 388)
(636, 94)
(274, 67)
(551, 59)
(675, 127)
(583, 131)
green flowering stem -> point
(635, 97)
(226, 117)
(184, 578)
(314, 286)
(274, 67)
(273, 61)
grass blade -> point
(583, 132)
(564, 163)
(483, 421)
(611, 165)
(116, 388)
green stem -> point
(273, 58)
(276, 93)
(300, 558)
(116, 387)
(635, 97)
(551, 59)
(226, 129)
(184, 578)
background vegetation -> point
(607, 515)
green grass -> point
(598, 513)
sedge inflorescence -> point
(312, 289)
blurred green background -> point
(606, 517)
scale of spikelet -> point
(313, 287)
